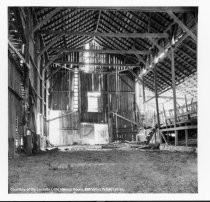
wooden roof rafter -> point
(128, 20)
(99, 34)
(130, 27)
(47, 18)
(181, 24)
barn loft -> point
(98, 75)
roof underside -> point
(126, 20)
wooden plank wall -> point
(93, 82)
(34, 95)
(15, 107)
(126, 106)
(61, 91)
(61, 100)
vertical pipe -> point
(174, 93)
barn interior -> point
(102, 78)
(97, 75)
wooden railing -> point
(184, 114)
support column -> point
(156, 100)
(110, 121)
(28, 140)
(116, 87)
(174, 93)
(186, 130)
(43, 100)
(144, 100)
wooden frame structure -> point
(154, 46)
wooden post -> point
(164, 112)
(174, 93)
(186, 137)
(109, 114)
(156, 100)
(144, 100)
(186, 130)
(28, 142)
(27, 58)
(43, 104)
(116, 87)
(69, 108)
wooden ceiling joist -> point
(181, 24)
(47, 18)
(50, 44)
(103, 51)
(52, 60)
(94, 64)
(58, 23)
(117, 35)
(21, 57)
(129, 32)
(176, 9)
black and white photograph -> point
(102, 99)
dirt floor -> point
(112, 171)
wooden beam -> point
(68, 113)
(50, 44)
(117, 100)
(175, 46)
(15, 93)
(104, 51)
(174, 93)
(164, 97)
(124, 70)
(99, 16)
(41, 37)
(179, 128)
(110, 26)
(140, 59)
(156, 100)
(125, 118)
(23, 19)
(18, 53)
(188, 47)
(135, 75)
(93, 64)
(51, 61)
(176, 9)
(156, 97)
(65, 18)
(110, 34)
(187, 55)
(181, 24)
(143, 92)
(155, 43)
(125, 82)
(54, 72)
(47, 18)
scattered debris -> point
(154, 145)
(110, 146)
(52, 149)
(177, 148)
(140, 146)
